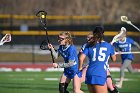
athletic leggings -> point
(126, 64)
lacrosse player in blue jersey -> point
(68, 51)
(98, 52)
(89, 36)
(111, 87)
(124, 45)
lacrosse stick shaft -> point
(138, 52)
(45, 27)
(84, 66)
(46, 30)
(135, 27)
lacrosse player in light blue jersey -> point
(124, 45)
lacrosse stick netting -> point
(6, 38)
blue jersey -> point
(83, 47)
(69, 53)
(98, 58)
(125, 47)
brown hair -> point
(68, 37)
(98, 36)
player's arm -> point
(54, 52)
(71, 60)
(66, 65)
(81, 61)
(137, 45)
(113, 58)
(112, 54)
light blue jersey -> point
(125, 47)
(68, 54)
(98, 59)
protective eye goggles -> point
(89, 37)
(60, 39)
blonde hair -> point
(90, 34)
(67, 36)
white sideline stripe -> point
(30, 79)
(33, 69)
(40, 52)
(51, 79)
(126, 79)
(18, 70)
(114, 69)
(4, 69)
(54, 69)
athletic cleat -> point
(66, 91)
(118, 85)
(115, 90)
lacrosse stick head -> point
(42, 18)
(6, 38)
(121, 34)
(41, 14)
(125, 19)
(44, 45)
(122, 31)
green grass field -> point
(33, 82)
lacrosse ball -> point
(42, 16)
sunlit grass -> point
(33, 82)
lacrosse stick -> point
(6, 38)
(117, 37)
(137, 52)
(83, 67)
(125, 19)
(42, 18)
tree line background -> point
(109, 10)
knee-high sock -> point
(63, 88)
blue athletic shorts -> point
(71, 73)
(95, 80)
